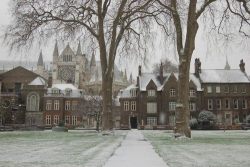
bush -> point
(193, 123)
(206, 120)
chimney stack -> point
(139, 70)
(242, 66)
(197, 67)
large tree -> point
(183, 16)
(108, 22)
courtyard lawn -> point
(205, 149)
(47, 148)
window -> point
(236, 104)
(151, 121)
(172, 93)
(74, 120)
(172, 106)
(48, 119)
(67, 119)
(244, 104)
(218, 104)
(48, 105)
(56, 119)
(209, 89)
(33, 102)
(210, 104)
(56, 104)
(226, 89)
(151, 107)
(151, 93)
(126, 106)
(227, 104)
(67, 105)
(68, 91)
(67, 58)
(133, 106)
(217, 89)
(243, 90)
(235, 89)
(192, 106)
(133, 93)
(74, 105)
(55, 91)
(192, 93)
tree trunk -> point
(182, 106)
(107, 121)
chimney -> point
(50, 81)
(197, 67)
(161, 73)
(242, 66)
(139, 70)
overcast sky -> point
(213, 56)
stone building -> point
(151, 102)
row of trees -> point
(117, 26)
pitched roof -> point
(68, 51)
(38, 81)
(79, 50)
(223, 76)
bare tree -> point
(168, 66)
(182, 17)
(108, 22)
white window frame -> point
(74, 120)
(244, 104)
(210, 104)
(218, 104)
(192, 93)
(227, 89)
(67, 119)
(151, 121)
(209, 89)
(236, 103)
(56, 104)
(67, 105)
(244, 90)
(74, 106)
(56, 119)
(235, 89)
(151, 93)
(172, 106)
(133, 105)
(48, 120)
(151, 107)
(217, 89)
(192, 106)
(126, 105)
(133, 92)
(172, 92)
(48, 105)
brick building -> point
(151, 102)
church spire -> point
(40, 60)
(55, 53)
(92, 61)
(227, 66)
(79, 51)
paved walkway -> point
(135, 151)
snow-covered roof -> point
(126, 92)
(196, 81)
(223, 76)
(64, 86)
(38, 81)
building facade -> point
(151, 102)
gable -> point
(151, 85)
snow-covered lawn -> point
(47, 148)
(205, 149)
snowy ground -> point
(205, 149)
(47, 148)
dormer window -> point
(151, 93)
(192, 93)
(67, 58)
(55, 91)
(133, 93)
(68, 91)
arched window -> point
(33, 102)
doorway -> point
(133, 122)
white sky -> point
(211, 55)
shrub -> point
(193, 123)
(207, 119)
